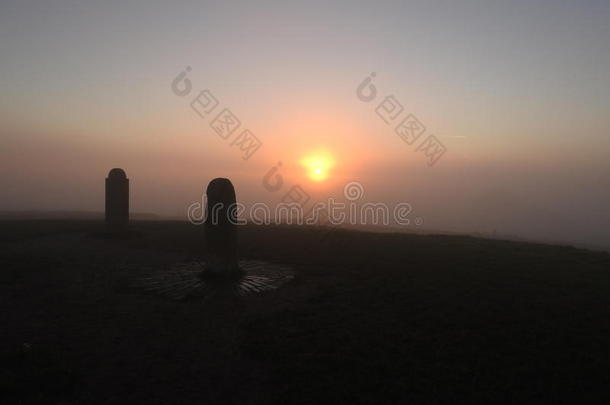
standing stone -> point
(117, 200)
(221, 229)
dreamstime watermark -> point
(295, 200)
(408, 128)
(330, 211)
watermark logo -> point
(353, 191)
(409, 128)
(291, 211)
(225, 124)
(293, 202)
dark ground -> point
(369, 318)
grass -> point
(369, 318)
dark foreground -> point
(369, 318)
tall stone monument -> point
(221, 230)
(117, 200)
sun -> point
(318, 165)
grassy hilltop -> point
(368, 318)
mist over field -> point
(304, 202)
(517, 95)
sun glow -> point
(318, 166)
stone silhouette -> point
(221, 230)
(117, 200)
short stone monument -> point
(117, 200)
(223, 275)
(221, 230)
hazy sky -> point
(517, 91)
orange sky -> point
(517, 94)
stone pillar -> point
(221, 229)
(117, 200)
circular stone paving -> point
(184, 281)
